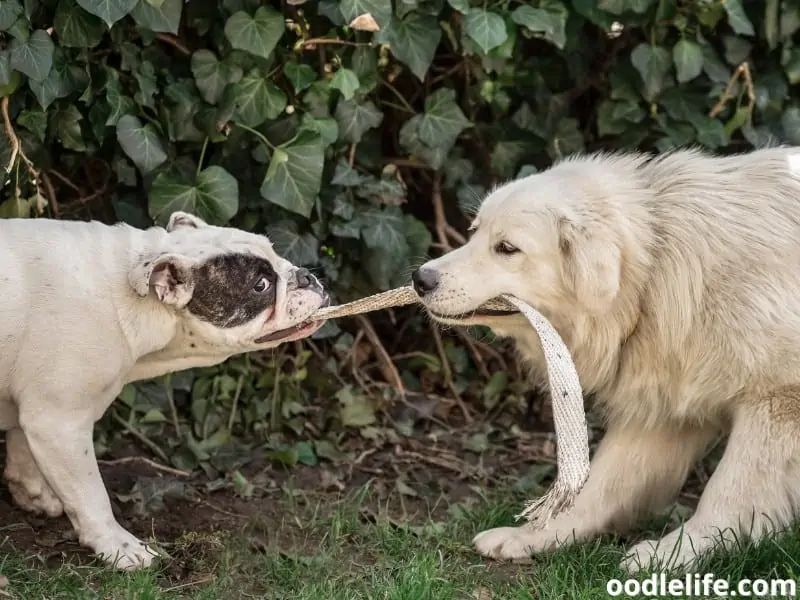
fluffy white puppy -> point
(87, 308)
(675, 282)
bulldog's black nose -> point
(304, 278)
(425, 281)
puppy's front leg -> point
(62, 446)
(754, 490)
(634, 472)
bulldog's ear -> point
(592, 266)
(183, 219)
(169, 276)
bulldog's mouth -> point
(298, 331)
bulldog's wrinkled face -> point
(231, 288)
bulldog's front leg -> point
(25, 481)
(62, 446)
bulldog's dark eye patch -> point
(232, 289)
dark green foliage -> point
(337, 126)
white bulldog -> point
(87, 308)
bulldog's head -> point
(229, 285)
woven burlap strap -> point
(568, 412)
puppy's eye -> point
(505, 248)
(261, 286)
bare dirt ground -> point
(410, 483)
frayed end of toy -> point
(559, 498)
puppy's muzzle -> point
(425, 281)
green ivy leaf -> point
(57, 84)
(257, 35)
(688, 57)
(381, 10)
(257, 99)
(618, 7)
(487, 29)
(461, 6)
(119, 103)
(294, 176)
(10, 11)
(326, 127)
(68, 128)
(75, 27)
(141, 143)
(550, 20)
(164, 18)
(737, 18)
(212, 76)
(356, 119)
(5, 67)
(653, 64)
(110, 11)
(790, 123)
(301, 76)
(443, 120)
(34, 58)
(35, 121)
(346, 82)
(435, 156)
(214, 197)
(298, 249)
(384, 228)
(413, 41)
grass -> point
(341, 557)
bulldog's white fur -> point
(88, 307)
(675, 282)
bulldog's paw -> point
(122, 550)
(37, 498)
(509, 543)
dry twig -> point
(742, 71)
(448, 374)
(383, 355)
(148, 462)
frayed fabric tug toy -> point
(570, 419)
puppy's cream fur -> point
(675, 282)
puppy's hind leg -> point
(635, 472)
(25, 481)
(753, 492)
(59, 434)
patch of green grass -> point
(341, 557)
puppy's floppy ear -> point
(592, 266)
(169, 276)
(183, 219)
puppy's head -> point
(556, 240)
(233, 289)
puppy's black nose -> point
(304, 278)
(425, 281)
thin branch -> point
(148, 462)
(171, 40)
(743, 71)
(383, 355)
(448, 374)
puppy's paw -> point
(35, 496)
(668, 553)
(509, 543)
(122, 550)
